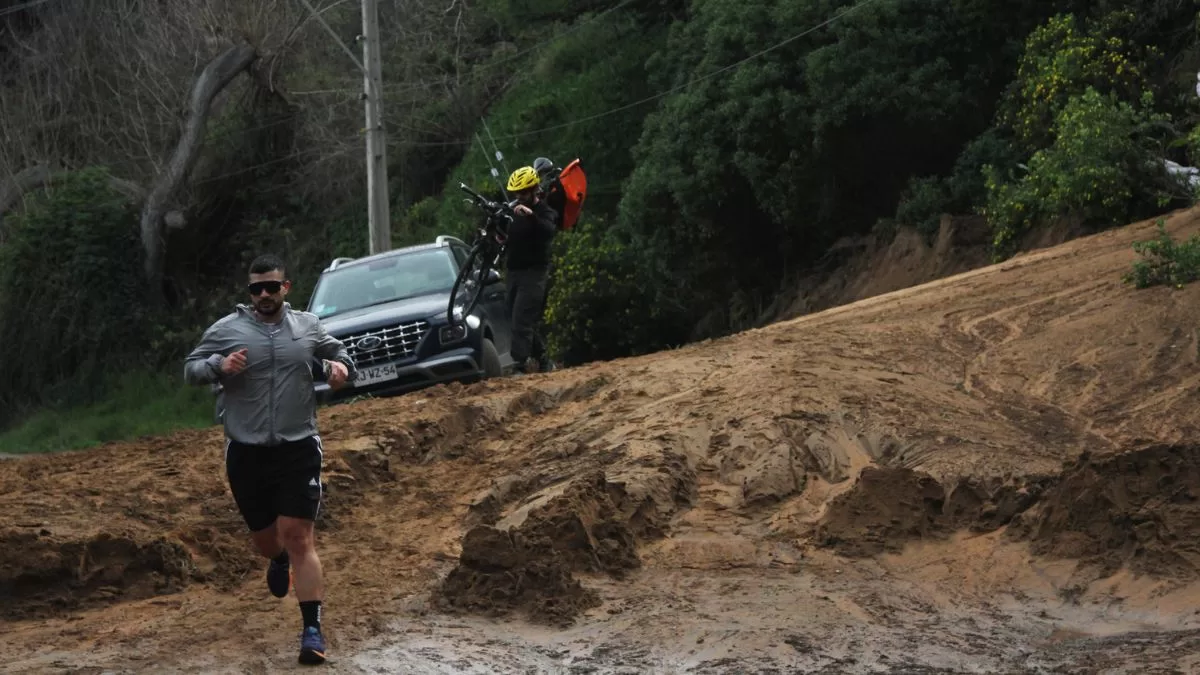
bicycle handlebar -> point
(494, 208)
(467, 189)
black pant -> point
(526, 302)
(282, 480)
(546, 297)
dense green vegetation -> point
(728, 144)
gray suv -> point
(389, 310)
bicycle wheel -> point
(468, 285)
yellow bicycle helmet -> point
(522, 179)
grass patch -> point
(1165, 261)
(139, 404)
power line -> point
(316, 92)
(696, 80)
(550, 40)
(495, 172)
(660, 94)
(277, 160)
(336, 38)
(499, 155)
(476, 74)
(17, 8)
(216, 136)
(248, 169)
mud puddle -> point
(787, 622)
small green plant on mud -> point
(1165, 261)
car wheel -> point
(491, 360)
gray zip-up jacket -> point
(272, 400)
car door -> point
(494, 305)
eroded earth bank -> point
(996, 472)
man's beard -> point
(268, 307)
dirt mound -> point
(43, 574)
(887, 508)
(962, 440)
(1140, 508)
(500, 572)
(529, 567)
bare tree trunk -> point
(216, 76)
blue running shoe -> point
(279, 577)
(312, 647)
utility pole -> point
(379, 222)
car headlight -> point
(457, 331)
(453, 333)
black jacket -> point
(556, 198)
(529, 238)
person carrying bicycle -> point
(555, 196)
(552, 190)
(527, 267)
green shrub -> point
(967, 185)
(1165, 262)
(1101, 168)
(922, 205)
(603, 299)
(963, 191)
(72, 293)
(419, 225)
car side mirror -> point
(493, 277)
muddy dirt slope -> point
(994, 472)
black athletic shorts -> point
(284, 480)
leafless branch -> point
(13, 187)
(216, 76)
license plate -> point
(375, 374)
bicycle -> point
(487, 249)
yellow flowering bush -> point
(1100, 168)
(1062, 58)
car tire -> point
(490, 360)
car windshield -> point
(393, 278)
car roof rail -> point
(443, 239)
(337, 261)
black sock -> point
(311, 611)
(282, 558)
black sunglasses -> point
(258, 287)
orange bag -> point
(574, 182)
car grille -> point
(395, 342)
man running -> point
(261, 356)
